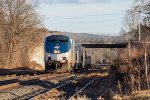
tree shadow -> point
(45, 86)
(94, 91)
(19, 71)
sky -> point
(84, 16)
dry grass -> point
(140, 95)
(98, 74)
(81, 98)
(120, 97)
(145, 94)
(54, 94)
(33, 65)
(116, 97)
(105, 68)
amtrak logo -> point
(57, 47)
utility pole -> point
(139, 26)
(139, 86)
(146, 67)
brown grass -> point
(81, 98)
(98, 74)
(139, 95)
(35, 66)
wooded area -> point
(20, 29)
(133, 65)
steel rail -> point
(48, 91)
(106, 88)
(82, 88)
(28, 78)
(45, 94)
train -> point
(64, 54)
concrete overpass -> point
(104, 42)
(121, 45)
(89, 40)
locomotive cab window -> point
(63, 41)
(52, 41)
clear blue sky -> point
(89, 16)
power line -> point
(82, 16)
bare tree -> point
(138, 61)
(19, 26)
(130, 21)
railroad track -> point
(8, 77)
(49, 92)
(82, 88)
(14, 73)
(67, 86)
(15, 82)
(22, 73)
(41, 83)
(46, 93)
(54, 93)
(87, 89)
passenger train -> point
(64, 54)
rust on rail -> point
(9, 85)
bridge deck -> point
(123, 45)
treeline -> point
(20, 30)
(132, 67)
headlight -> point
(56, 51)
(49, 55)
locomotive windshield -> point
(55, 41)
(52, 41)
(63, 41)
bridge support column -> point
(83, 63)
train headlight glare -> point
(55, 51)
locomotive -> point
(63, 54)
